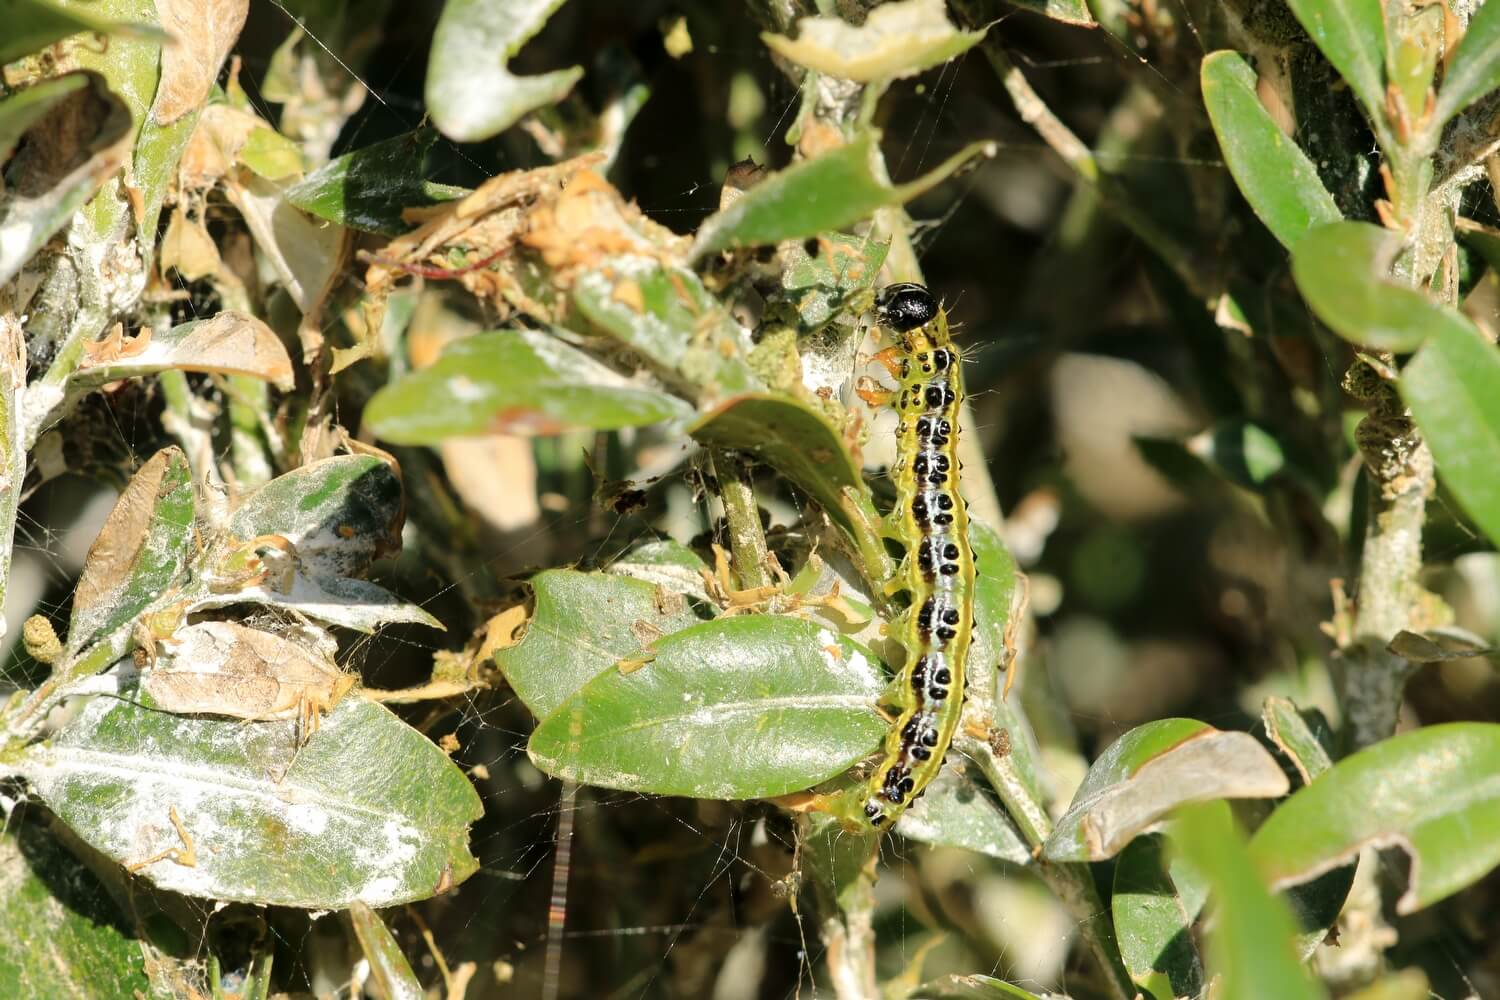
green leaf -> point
(744, 707)
(140, 552)
(470, 92)
(368, 810)
(680, 328)
(25, 108)
(274, 157)
(1474, 68)
(1276, 177)
(1429, 792)
(389, 969)
(1150, 771)
(1154, 921)
(957, 811)
(827, 192)
(665, 563)
(368, 188)
(1453, 388)
(1343, 269)
(1351, 33)
(61, 935)
(792, 438)
(32, 25)
(1251, 935)
(897, 39)
(584, 624)
(513, 382)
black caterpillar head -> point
(905, 306)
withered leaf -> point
(202, 32)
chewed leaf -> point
(1439, 645)
(513, 382)
(792, 704)
(142, 548)
(825, 193)
(470, 92)
(898, 39)
(1431, 792)
(584, 624)
(667, 316)
(1293, 736)
(333, 600)
(1152, 770)
(367, 810)
(231, 343)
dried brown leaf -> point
(202, 32)
(114, 551)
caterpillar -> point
(937, 571)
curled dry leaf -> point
(120, 541)
(231, 343)
(898, 39)
(223, 668)
(201, 34)
(188, 248)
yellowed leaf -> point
(188, 247)
(201, 34)
(495, 475)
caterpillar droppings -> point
(937, 572)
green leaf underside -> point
(513, 382)
(974, 987)
(584, 624)
(1276, 177)
(1341, 270)
(1153, 922)
(1474, 69)
(792, 438)
(1453, 388)
(1150, 771)
(368, 810)
(1294, 737)
(1432, 792)
(471, 95)
(1251, 934)
(368, 188)
(388, 965)
(827, 192)
(681, 330)
(789, 702)
(61, 935)
(32, 25)
(1351, 34)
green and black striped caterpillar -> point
(937, 572)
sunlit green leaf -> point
(825, 193)
(957, 811)
(789, 702)
(1343, 271)
(32, 25)
(1426, 792)
(584, 624)
(471, 93)
(368, 810)
(1250, 934)
(1453, 388)
(972, 987)
(514, 382)
(1276, 177)
(1150, 771)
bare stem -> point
(747, 539)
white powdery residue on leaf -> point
(400, 847)
(306, 818)
(379, 890)
(466, 390)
